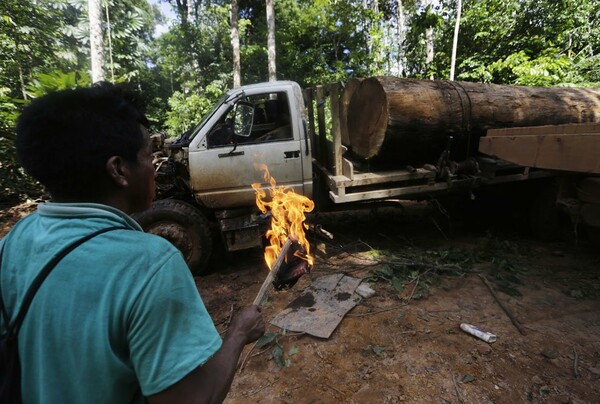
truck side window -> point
(271, 118)
(222, 133)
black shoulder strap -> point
(13, 330)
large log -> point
(396, 121)
(344, 103)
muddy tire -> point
(184, 226)
(545, 218)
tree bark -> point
(271, 40)
(235, 44)
(96, 40)
(394, 120)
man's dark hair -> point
(64, 139)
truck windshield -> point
(207, 116)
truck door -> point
(224, 165)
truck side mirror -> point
(243, 119)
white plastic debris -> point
(478, 332)
(364, 290)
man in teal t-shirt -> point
(119, 319)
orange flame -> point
(287, 215)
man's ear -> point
(117, 171)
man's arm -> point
(210, 382)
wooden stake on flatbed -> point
(262, 293)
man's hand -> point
(249, 323)
(210, 382)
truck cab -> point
(223, 161)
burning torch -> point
(288, 255)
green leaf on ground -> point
(265, 340)
(384, 271)
(278, 356)
(468, 378)
(377, 350)
(398, 284)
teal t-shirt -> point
(118, 318)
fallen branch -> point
(460, 400)
(261, 388)
(377, 312)
(413, 291)
(246, 357)
(506, 310)
(575, 363)
(439, 228)
(334, 389)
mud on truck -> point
(369, 141)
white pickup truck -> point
(204, 178)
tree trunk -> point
(110, 49)
(455, 39)
(96, 41)
(429, 43)
(235, 44)
(411, 121)
(22, 83)
(190, 11)
(271, 40)
(429, 46)
(182, 10)
(400, 55)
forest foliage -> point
(45, 46)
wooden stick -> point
(508, 312)
(246, 357)
(460, 400)
(575, 361)
(262, 293)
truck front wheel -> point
(184, 226)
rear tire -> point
(544, 215)
(182, 225)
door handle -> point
(231, 154)
(291, 154)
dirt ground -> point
(404, 343)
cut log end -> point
(345, 98)
(368, 118)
